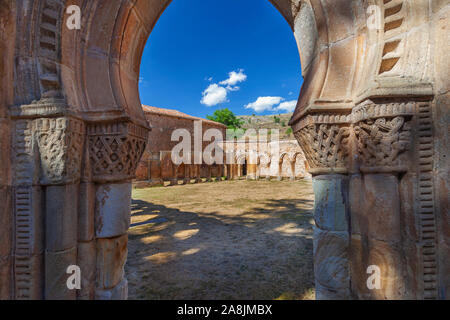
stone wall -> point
(156, 165)
(268, 160)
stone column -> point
(376, 237)
(384, 234)
(326, 147)
(198, 175)
(60, 142)
(86, 258)
(187, 178)
(280, 171)
(209, 175)
(219, 172)
(174, 178)
(155, 169)
(112, 220)
(120, 146)
(292, 177)
(331, 237)
(6, 214)
(28, 243)
(268, 171)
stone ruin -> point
(242, 158)
(372, 119)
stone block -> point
(6, 221)
(341, 19)
(306, 34)
(119, 292)
(388, 258)
(382, 206)
(6, 278)
(331, 264)
(86, 212)
(441, 62)
(341, 72)
(56, 276)
(61, 217)
(358, 219)
(29, 221)
(112, 210)
(87, 260)
(29, 277)
(111, 258)
(5, 154)
(331, 202)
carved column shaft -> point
(325, 142)
(114, 152)
(388, 202)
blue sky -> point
(205, 55)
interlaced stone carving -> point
(60, 142)
(381, 141)
(115, 150)
(383, 133)
(325, 145)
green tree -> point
(226, 117)
(276, 119)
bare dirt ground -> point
(223, 240)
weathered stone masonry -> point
(156, 164)
(372, 119)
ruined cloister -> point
(372, 120)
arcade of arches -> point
(241, 158)
(372, 119)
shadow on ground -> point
(263, 252)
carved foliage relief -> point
(60, 142)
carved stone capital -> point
(383, 135)
(60, 142)
(378, 135)
(325, 142)
(115, 150)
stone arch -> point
(264, 160)
(283, 156)
(241, 163)
(73, 96)
(297, 157)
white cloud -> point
(235, 88)
(234, 78)
(217, 93)
(214, 95)
(264, 103)
(288, 106)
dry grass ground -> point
(225, 240)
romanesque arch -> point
(372, 119)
